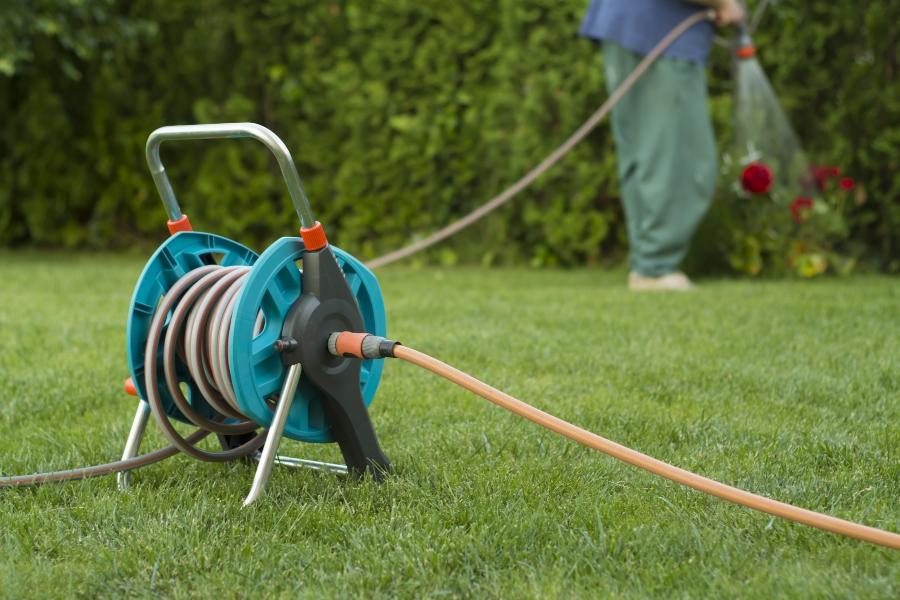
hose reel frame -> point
(316, 402)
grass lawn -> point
(788, 389)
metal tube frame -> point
(133, 444)
(139, 425)
(273, 437)
(302, 463)
(225, 131)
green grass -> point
(789, 389)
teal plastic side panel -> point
(179, 254)
(272, 287)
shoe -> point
(672, 282)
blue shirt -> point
(639, 25)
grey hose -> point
(526, 180)
(192, 299)
(99, 470)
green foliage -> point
(401, 116)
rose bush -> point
(765, 228)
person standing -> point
(667, 160)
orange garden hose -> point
(648, 463)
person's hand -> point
(729, 13)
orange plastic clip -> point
(182, 224)
(746, 52)
(314, 237)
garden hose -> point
(99, 470)
(369, 346)
(526, 180)
(199, 309)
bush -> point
(401, 116)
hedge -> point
(401, 115)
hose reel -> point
(231, 341)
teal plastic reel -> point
(271, 288)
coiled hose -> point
(192, 323)
(199, 308)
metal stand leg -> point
(133, 445)
(273, 438)
(303, 463)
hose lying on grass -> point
(370, 346)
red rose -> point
(756, 178)
(799, 207)
(847, 183)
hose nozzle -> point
(744, 47)
(360, 345)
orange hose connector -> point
(745, 52)
(314, 237)
(648, 463)
(182, 224)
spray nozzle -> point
(744, 47)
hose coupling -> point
(360, 345)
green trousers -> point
(667, 156)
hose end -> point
(314, 237)
(745, 52)
(182, 224)
(744, 47)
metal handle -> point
(225, 131)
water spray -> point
(763, 133)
